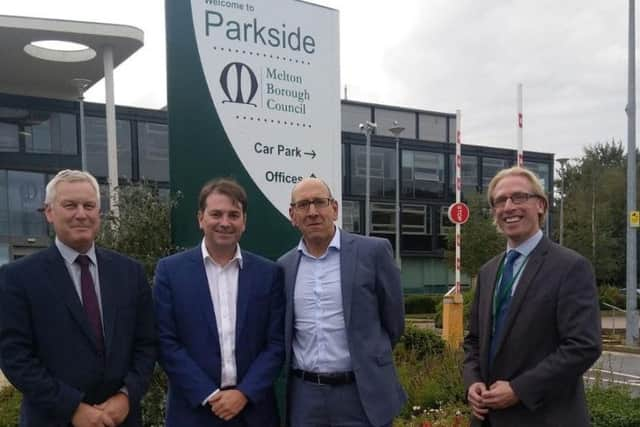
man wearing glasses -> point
(345, 313)
(534, 327)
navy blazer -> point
(374, 319)
(189, 344)
(551, 336)
(47, 349)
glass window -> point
(469, 174)
(542, 172)
(383, 218)
(105, 202)
(53, 133)
(382, 171)
(96, 146)
(445, 222)
(353, 115)
(9, 137)
(414, 220)
(153, 141)
(351, 216)
(490, 168)
(385, 119)
(422, 174)
(26, 198)
(433, 128)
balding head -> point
(307, 183)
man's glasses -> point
(516, 199)
(319, 203)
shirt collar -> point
(334, 243)
(205, 255)
(69, 254)
(528, 245)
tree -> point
(594, 209)
(481, 241)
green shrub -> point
(154, 402)
(421, 342)
(10, 399)
(613, 406)
(420, 304)
(611, 295)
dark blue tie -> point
(503, 300)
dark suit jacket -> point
(374, 315)
(551, 336)
(189, 344)
(47, 349)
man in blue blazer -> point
(77, 337)
(220, 316)
(345, 313)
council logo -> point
(239, 83)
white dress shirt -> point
(223, 287)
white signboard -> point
(272, 68)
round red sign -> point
(458, 213)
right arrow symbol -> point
(312, 154)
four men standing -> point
(77, 335)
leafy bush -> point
(154, 402)
(421, 342)
(420, 304)
(613, 406)
(611, 295)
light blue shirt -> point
(320, 336)
(525, 250)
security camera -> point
(372, 125)
(361, 126)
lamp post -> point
(396, 130)
(563, 161)
(81, 85)
(368, 128)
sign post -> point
(452, 303)
(253, 93)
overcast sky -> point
(442, 55)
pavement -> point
(619, 368)
(3, 381)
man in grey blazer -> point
(345, 313)
(535, 325)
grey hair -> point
(69, 175)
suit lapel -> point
(109, 283)
(348, 263)
(244, 293)
(290, 265)
(63, 285)
(486, 306)
(202, 292)
(536, 259)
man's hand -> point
(115, 408)
(475, 396)
(499, 396)
(90, 416)
(226, 404)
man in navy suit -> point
(345, 313)
(219, 315)
(77, 337)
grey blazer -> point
(374, 315)
(550, 338)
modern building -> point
(42, 123)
